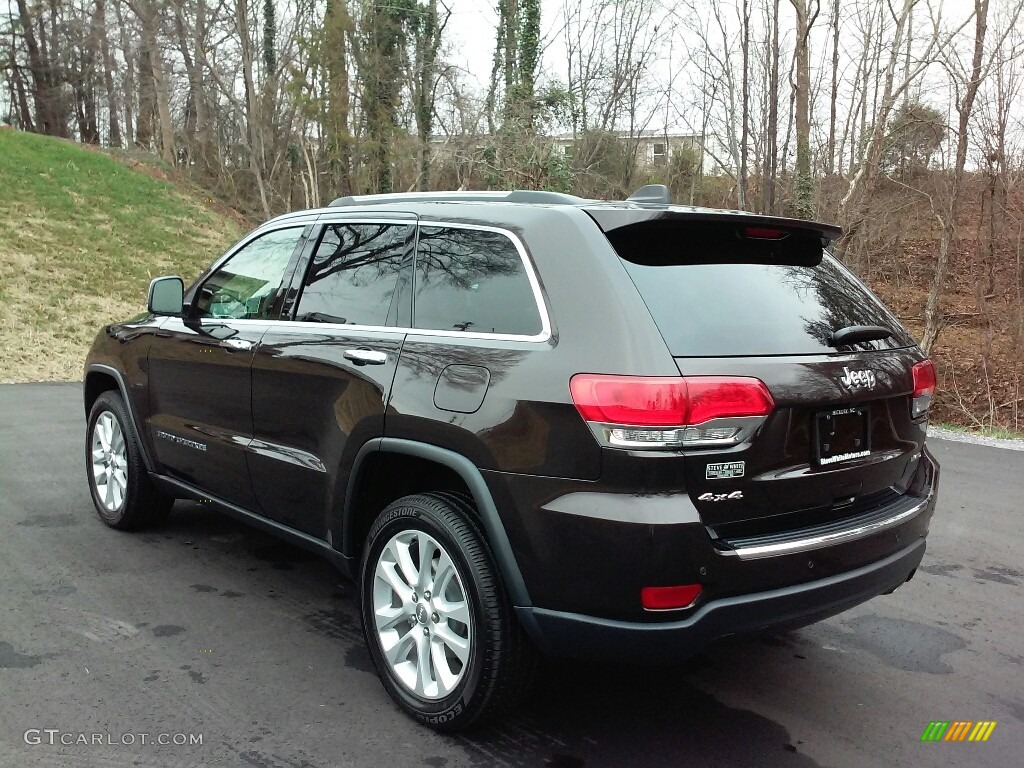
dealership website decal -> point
(51, 736)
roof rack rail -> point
(517, 196)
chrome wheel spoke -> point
(398, 650)
(117, 442)
(117, 493)
(444, 675)
(390, 617)
(443, 575)
(425, 684)
(403, 557)
(458, 645)
(453, 611)
(388, 573)
(427, 548)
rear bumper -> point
(574, 635)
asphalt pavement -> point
(207, 629)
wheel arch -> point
(104, 378)
(457, 466)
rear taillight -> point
(660, 412)
(924, 388)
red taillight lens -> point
(924, 378)
(667, 598)
(716, 397)
(924, 388)
(645, 401)
(667, 401)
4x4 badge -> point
(734, 496)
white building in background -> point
(654, 148)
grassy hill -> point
(81, 236)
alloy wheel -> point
(422, 615)
(109, 461)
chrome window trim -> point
(398, 218)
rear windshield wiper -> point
(855, 334)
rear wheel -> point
(437, 621)
(122, 492)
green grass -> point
(81, 236)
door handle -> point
(237, 345)
(366, 356)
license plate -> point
(842, 434)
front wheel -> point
(122, 492)
(438, 624)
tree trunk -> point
(163, 103)
(834, 93)
(20, 96)
(337, 26)
(803, 183)
(43, 96)
(100, 26)
(151, 69)
(745, 103)
(129, 76)
(427, 46)
(771, 153)
(252, 104)
(146, 116)
(202, 145)
(947, 241)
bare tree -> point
(967, 82)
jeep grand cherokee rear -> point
(527, 421)
(780, 477)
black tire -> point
(502, 662)
(141, 505)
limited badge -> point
(726, 471)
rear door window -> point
(715, 293)
(472, 280)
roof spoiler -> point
(750, 225)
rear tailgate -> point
(739, 295)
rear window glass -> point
(714, 294)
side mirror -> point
(166, 295)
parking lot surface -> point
(207, 628)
